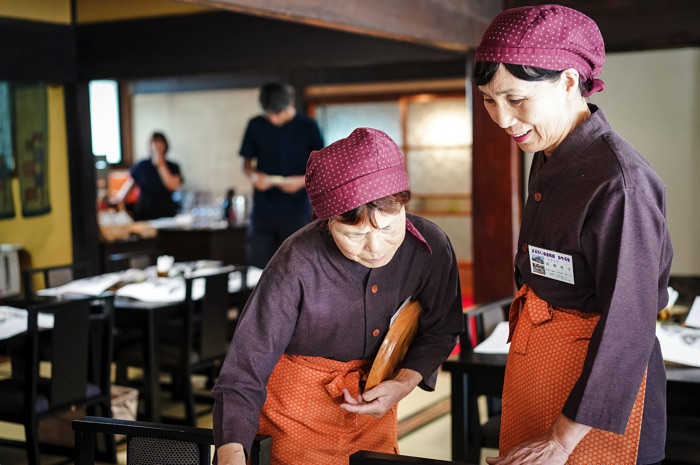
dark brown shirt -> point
(311, 300)
(597, 199)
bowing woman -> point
(308, 335)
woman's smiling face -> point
(369, 246)
(535, 113)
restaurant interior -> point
(84, 84)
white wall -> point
(205, 130)
(653, 100)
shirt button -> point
(524, 247)
(374, 288)
(538, 196)
(376, 332)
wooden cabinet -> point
(227, 245)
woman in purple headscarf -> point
(311, 329)
(585, 381)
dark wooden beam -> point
(227, 42)
(81, 172)
(449, 24)
(496, 205)
(636, 25)
(34, 51)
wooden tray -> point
(395, 345)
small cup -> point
(163, 265)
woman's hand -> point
(380, 399)
(544, 450)
(231, 454)
(552, 448)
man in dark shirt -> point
(276, 147)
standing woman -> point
(585, 380)
(316, 319)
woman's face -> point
(535, 114)
(369, 246)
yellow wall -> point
(88, 11)
(113, 10)
(52, 11)
(47, 238)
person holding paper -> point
(306, 339)
(275, 149)
(585, 380)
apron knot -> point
(538, 312)
(339, 380)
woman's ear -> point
(569, 79)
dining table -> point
(143, 301)
(475, 374)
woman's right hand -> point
(231, 454)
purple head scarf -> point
(551, 37)
(365, 166)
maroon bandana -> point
(365, 166)
(551, 37)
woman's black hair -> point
(161, 137)
(485, 70)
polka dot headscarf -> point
(365, 166)
(551, 37)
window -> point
(104, 120)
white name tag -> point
(551, 264)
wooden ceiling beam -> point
(455, 25)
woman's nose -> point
(503, 117)
(372, 243)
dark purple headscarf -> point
(551, 37)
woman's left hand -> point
(380, 399)
(552, 448)
(543, 450)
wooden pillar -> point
(496, 204)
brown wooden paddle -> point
(395, 345)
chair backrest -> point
(481, 319)
(155, 443)
(364, 457)
(52, 276)
(29, 397)
(125, 260)
(79, 348)
(209, 315)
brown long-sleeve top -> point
(597, 199)
(311, 300)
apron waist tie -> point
(537, 314)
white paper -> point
(497, 342)
(13, 321)
(693, 317)
(93, 286)
(162, 290)
(679, 344)
(401, 307)
(672, 297)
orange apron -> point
(302, 413)
(548, 348)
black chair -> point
(53, 276)
(157, 444)
(364, 457)
(79, 351)
(126, 260)
(479, 322)
(195, 343)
